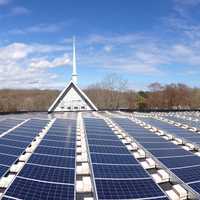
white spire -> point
(74, 73)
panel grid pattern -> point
(184, 164)
(50, 171)
(116, 173)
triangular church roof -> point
(65, 91)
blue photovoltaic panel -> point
(188, 174)
(105, 142)
(18, 138)
(175, 162)
(49, 173)
(7, 124)
(179, 132)
(44, 173)
(7, 159)
(60, 138)
(127, 189)
(55, 151)
(52, 160)
(102, 137)
(154, 140)
(119, 171)
(10, 150)
(117, 174)
(169, 152)
(3, 169)
(182, 163)
(35, 190)
(195, 186)
(109, 150)
(158, 145)
(13, 143)
(57, 144)
(113, 159)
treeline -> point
(111, 93)
(26, 100)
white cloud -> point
(14, 51)
(39, 64)
(26, 66)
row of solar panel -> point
(191, 123)
(183, 164)
(179, 132)
(50, 171)
(116, 173)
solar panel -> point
(105, 142)
(127, 189)
(48, 160)
(154, 140)
(58, 144)
(55, 151)
(195, 186)
(50, 174)
(119, 171)
(3, 169)
(169, 152)
(184, 164)
(10, 150)
(174, 130)
(109, 150)
(18, 138)
(7, 159)
(102, 137)
(182, 161)
(152, 145)
(7, 124)
(34, 190)
(117, 174)
(13, 143)
(114, 159)
(49, 169)
(188, 174)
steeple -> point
(72, 98)
(74, 72)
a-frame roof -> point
(65, 91)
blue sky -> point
(143, 41)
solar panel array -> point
(116, 173)
(50, 171)
(190, 122)
(12, 145)
(184, 164)
(184, 134)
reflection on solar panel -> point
(182, 163)
(117, 174)
(50, 171)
